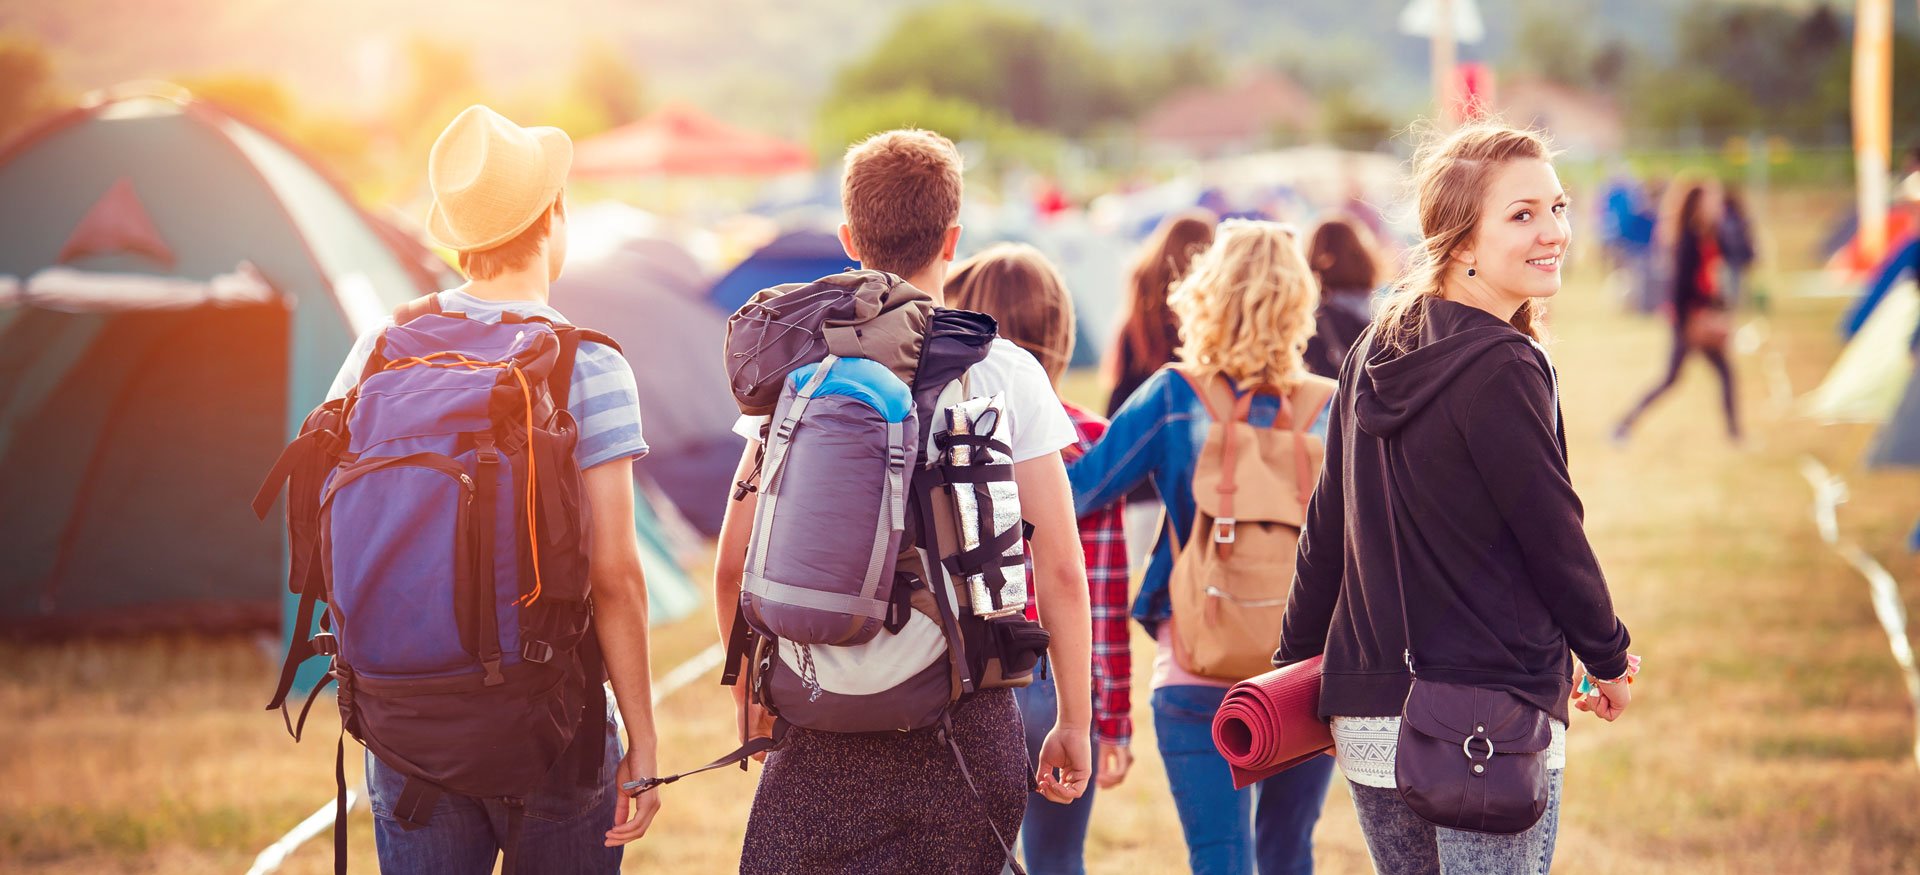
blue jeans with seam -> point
(563, 832)
(1266, 828)
(1053, 837)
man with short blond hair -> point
(499, 203)
(901, 801)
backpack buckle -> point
(324, 643)
(1223, 530)
(537, 651)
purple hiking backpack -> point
(437, 511)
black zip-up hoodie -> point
(1460, 440)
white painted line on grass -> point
(687, 672)
(1893, 618)
(683, 674)
(276, 854)
(1829, 491)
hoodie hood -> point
(1392, 387)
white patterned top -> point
(1364, 747)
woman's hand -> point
(1115, 760)
(1066, 761)
(1609, 700)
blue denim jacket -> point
(1157, 435)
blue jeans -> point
(1403, 844)
(1053, 837)
(563, 832)
(1267, 828)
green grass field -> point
(1770, 733)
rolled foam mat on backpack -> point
(1271, 723)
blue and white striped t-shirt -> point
(603, 399)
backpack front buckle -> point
(537, 651)
(1223, 530)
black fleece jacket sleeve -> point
(1321, 559)
(1511, 435)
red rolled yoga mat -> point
(1271, 723)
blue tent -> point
(793, 257)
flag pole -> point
(1872, 125)
(1443, 55)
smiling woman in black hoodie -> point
(1446, 478)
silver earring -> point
(1471, 272)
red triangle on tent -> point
(117, 223)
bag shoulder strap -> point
(1393, 523)
(425, 305)
(1215, 394)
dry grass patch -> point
(1771, 732)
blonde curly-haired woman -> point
(1246, 311)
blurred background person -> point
(1148, 336)
(1688, 235)
(1150, 332)
(1737, 247)
(1345, 261)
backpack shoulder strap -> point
(560, 380)
(1214, 394)
(425, 305)
(1304, 406)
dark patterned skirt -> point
(892, 802)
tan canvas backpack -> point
(1250, 489)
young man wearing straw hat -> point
(498, 202)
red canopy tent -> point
(683, 141)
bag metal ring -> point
(1467, 743)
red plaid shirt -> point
(1103, 536)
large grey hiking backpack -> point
(885, 577)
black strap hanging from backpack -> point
(752, 748)
(946, 735)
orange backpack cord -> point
(459, 360)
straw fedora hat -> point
(492, 178)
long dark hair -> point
(1690, 209)
(1342, 256)
(1162, 261)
